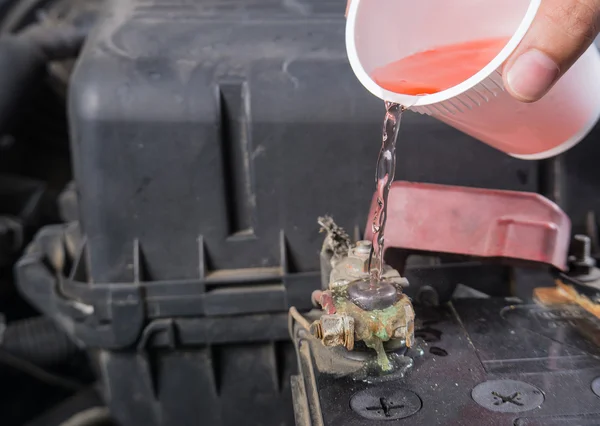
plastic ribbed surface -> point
(485, 91)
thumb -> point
(561, 32)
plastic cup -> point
(379, 32)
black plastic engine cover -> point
(235, 122)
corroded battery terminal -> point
(358, 309)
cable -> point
(56, 42)
(299, 318)
(19, 15)
(37, 372)
(38, 340)
(96, 416)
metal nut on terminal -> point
(335, 330)
(400, 333)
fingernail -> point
(532, 74)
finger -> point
(560, 34)
(348, 7)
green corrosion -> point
(370, 326)
(382, 358)
(380, 319)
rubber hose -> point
(55, 42)
(22, 68)
(23, 61)
(39, 341)
(97, 416)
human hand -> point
(561, 32)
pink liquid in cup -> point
(438, 69)
(533, 129)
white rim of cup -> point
(409, 100)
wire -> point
(299, 318)
(56, 42)
(37, 372)
(96, 416)
(19, 15)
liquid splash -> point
(384, 176)
(382, 359)
(400, 364)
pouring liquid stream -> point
(384, 176)
(422, 73)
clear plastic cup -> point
(379, 32)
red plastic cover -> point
(476, 222)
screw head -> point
(596, 386)
(379, 403)
(507, 396)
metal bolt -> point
(596, 386)
(507, 396)
(335, 330)
(582, 247)
(400, 332)
(581, 261)
(316, 329)
(379, 403)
